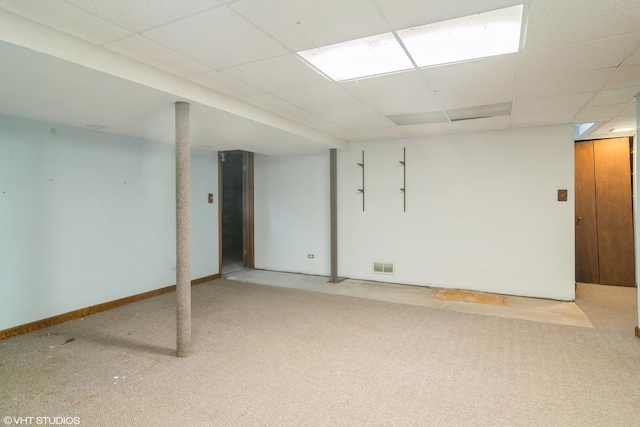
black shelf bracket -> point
(361, 190)
(403, 162)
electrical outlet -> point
(482, 269)
(310, 256)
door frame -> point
(248, 235)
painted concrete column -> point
(183, 232)
(333, 202)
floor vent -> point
(383, 267)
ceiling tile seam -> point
(259, 28)
(329, 80)
(583, 42)
(150, 28)
(634, 52)
(283, 45)
(524, 25)
(81, 10)
(516, 85)
(275, 94)
(574, 119)
(596, 128)
(101, 19)
(421, 75)
(523, 40)
(212, 68)
(31, 35)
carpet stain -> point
(465, 296)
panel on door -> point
(587, 270)
(615, 216)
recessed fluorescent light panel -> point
(627, 129)
(470, 37)
(364, 57)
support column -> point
(333, 201)
(183, 233)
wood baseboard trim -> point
(638, 332)
(205, 279)
(83, 312)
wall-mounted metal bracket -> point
(361, 190)
(403, 162)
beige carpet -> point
(535, 309)
(272, 356)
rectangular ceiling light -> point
(364, 57)
(470, 37)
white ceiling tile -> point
(494, 71)
(481, 82)
(219, 38)
(579, 58)
(365, 123)
(634, 58)
(388, 86)
(630, 110)
(534, 86)
(626, 76)
(502, 122)
(615, 96)
(384, 133)
(622, 121)
(555, 23)
(151, 53)
(140, 15)
(303, 117)
(602, 112)
(317, 96)
(66, 18)
(268, 74)
(221, 82)
(410, 13)
(306, 24)
(545, 117)
(403, 104)
(344, 112)
(398, 93)
(269, 102)
(555, 103)
(461, 98)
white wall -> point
(87, 217)
(481, 212)
(292, 213)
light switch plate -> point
(562, 195)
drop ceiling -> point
(122, 64)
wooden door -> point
(587, 270)
(604, 217)
(615, 215)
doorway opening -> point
(604, 214)
(236, 210)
